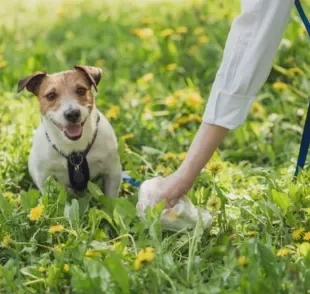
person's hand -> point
(174, 187)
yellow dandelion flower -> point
(8, 195)
(143, 33)
(169, 156)
(113, 112)
(183, 119)
(36, 212)
(280, 86)
(165, 171)
(307, 236)
(166, 32)
(214, 167)
(198, 31)
(66, 267)
(242, 260)
(170, 101)
(41, 269)
(146, 20)
(194, 117)
(285, 251)
(257, 109)
(146, 99)
(252, 233)
(3, 63)
(182, 30)
(148, 77)
(214, 203)
(144, 256)
(296, 71)
(194, 99)
(56, 229)
(203, 39)
(6, 241)
(171, 66)
(128, 136)
(182, 156)
(92, 253)
(297, 234)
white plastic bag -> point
(182, 215)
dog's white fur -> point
(103, 158)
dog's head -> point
(66, 98)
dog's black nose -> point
(72, 115)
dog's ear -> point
(32, 83)
(93, 73)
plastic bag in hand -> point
(182, 215)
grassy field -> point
(159, 60)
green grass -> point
(250, 177)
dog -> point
(74, 142)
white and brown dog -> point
(74, 142)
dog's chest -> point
(58, 167)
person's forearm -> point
(203, 146)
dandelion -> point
(165, 171)
(203, 39)
(146, 20)
(146, 255)
(92, 253)
(146, 98)
(56, 229)
(194, 99)
(143, 33)
(280, 86)
(171, 66)
(214, 167)
(182, 156)
(169, 156)
(242, 260)
(66, 267)
(296, 71)
(257, 109)
(8, 195)
(214, 203)
(36, 212)
(171, 101)
(198, 31)
(297, 234)
(6, 241)
(41, 269)
(181, 30)
(252, 233)
(128, 136)
(148, 77)
(166, 32)
(307, 236)
(285, 251)
(113, 112)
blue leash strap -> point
(305, 141)
(128, 179)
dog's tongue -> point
(74, 130)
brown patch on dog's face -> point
(66, 98)
(59, 88)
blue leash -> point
(305, 141)
(128, 179)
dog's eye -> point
(81, 91)
(51, 96)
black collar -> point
(77, 163)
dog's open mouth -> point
(73, 131)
